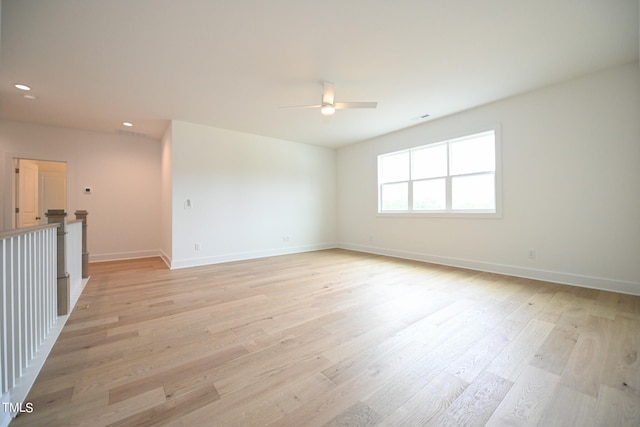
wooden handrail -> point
(26, 230)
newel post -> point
(82, 216)
(58, 216)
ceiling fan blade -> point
(346, 105)
(327, 93)
(300, 106)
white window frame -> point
(448, 212)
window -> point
(457, 176)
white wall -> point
(251, 196)
(571, 188)
(166, 219)
(124, 172)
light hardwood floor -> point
(338, 338)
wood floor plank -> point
(172, 379)
(617, 408)
(427, 403)
(517, 354)
(401, 387)
(390, 351)
(357, 415)
(476, 403)
(363, 383)
(526, 401)
(622, 366)
(475, 360)
(126, 408)
(337, 337)
(555, 351)
(569, 408)
(585, 368)
(262, 403)
(170, 412)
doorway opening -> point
(40, 185)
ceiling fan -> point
(329, 106)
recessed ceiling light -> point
(29, 96)
(21, 86)
(127, 124)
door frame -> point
(10, 184)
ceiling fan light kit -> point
(328, 109)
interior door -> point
(52, 191)
(27, 194)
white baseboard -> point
(591, 282)
(600, 283)
(118, 256)
(166, 258)
(241, 256)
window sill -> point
(465, 215)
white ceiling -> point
(231, 64)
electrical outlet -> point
(187, 204)
(286, 239)
(197, 246)
(531, 254)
